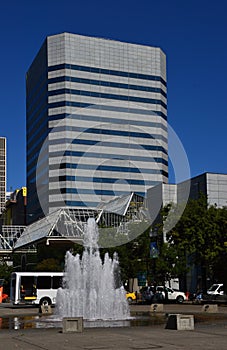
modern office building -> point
(2, 173)
(96, 109)
(212, 185)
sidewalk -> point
(211, 334)
(146, 338)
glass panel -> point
(43, 282)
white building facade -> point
(97, 111)
(2, 173)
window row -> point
(106, 83)
(106, 71)
(106, 95)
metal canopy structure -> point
(117, 205)
(61, 225)
(9, 235)
(67, 224)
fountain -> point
(90, 287)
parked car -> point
(216, 289)
(130, 296)
(152, 294)
(172, 295)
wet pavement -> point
(145, 331)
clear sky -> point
(193, 34)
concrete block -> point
(46, 309)
(72, 324)
(180, 322)
(210, 308)
(156, 308)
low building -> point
(13, 220)
(212, 185)
(15, 208)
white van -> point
(216, 289)
(38, 288)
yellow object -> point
(24, 191)
(131, 296)
(29, 298)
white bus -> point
(39, 288)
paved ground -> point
(210, 333)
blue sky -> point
(193, 34)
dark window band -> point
(107, 83)
(112, 156)
(108, 144)
(100, 180)
(109, 168)
(106, 95)
(110, 132)
(106, 71)
(81, 117)
(103, 107)
(90, 191)
(74, 204)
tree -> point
(200, 235)
(49, 264)
(134, 256)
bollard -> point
(210, 308)
(180, 322)
(72, 324)
(46, 309)
(156, 308)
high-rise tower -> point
(97, 110)
(2, 173)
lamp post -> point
(154, 252)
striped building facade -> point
(2, 173)
(97, 111)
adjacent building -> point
(13, 221)
(212, 185)
(96, 122)
(15, 208)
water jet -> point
(90, 289)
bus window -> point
(26, 286)
(57, 282)
(43, 282)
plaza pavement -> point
(210, 333)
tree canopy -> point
(200, 234)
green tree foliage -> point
(113, 237)
(133, 256)
(169, 264)
(200, 233)
(49, 264)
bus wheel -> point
(45, 302)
